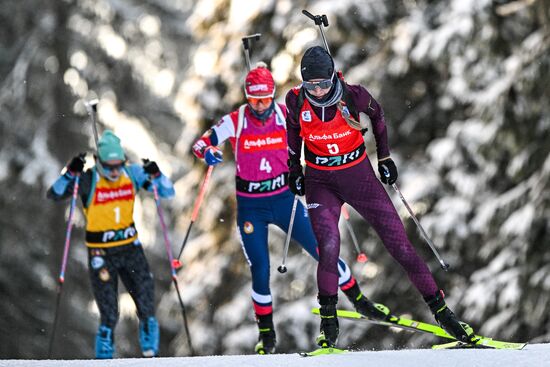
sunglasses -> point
(323, 84)
(266, 101)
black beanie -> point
(316, 64)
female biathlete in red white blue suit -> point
(257, 132)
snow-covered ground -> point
(532, 355)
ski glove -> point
(296, 183)
(76, 165)
(296, 177)
(213, 156)
(151, 168)
(200, 146)
(388, 171)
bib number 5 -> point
(333, 148)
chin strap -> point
(264, 115)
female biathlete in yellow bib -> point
(108, 193)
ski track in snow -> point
(532, 355)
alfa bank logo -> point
(333, 136)
(248, 144)
(258, 88)
(106, 195)
(272, 141)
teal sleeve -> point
(62, 187)
(164, 186)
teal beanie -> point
(109, 148)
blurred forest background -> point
(465, 89)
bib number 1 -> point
(117, 214)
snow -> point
(520, 222)
(242, 12)
(531, 355)
(442, 152)
(449, 216)
(42, 165)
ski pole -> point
(198, 201)
(361, 257)
(61, 278)
(445, 266)
(246, 45)
(91, 107)
(168, 247)
(282, 268)
(320, 20)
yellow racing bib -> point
(110, 212)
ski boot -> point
(366, 307)
(329, 322)
(149, 337)
(266, 339)
(104, 343)
(448, 320)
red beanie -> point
(259, 82)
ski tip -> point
(483, 343)
(341, 313)
(323, 351)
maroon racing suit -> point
(338, 172)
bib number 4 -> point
(265, 166)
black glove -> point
(296, 178)
(388, 171)
(76, 165)
(151, 168)
(296, 183)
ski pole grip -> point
(345, 212)
(92, 104)
(308, 14)
(246, 39)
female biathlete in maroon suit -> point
(321, 114)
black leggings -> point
(128, 262)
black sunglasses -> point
(323, 84)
